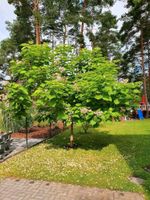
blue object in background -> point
(140, 114)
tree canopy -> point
(61, 85)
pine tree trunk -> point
(38, 40)
(148, 49)
(82, 24)
(53, 42)
(37, 22)
(143, 69)
(76, 45)
(65, 35)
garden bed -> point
(39, 132)
(34, 132)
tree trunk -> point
(82, 24)
(65, 35)
(26, 129)
(148, 49)
(37, 22)
(50, 130)
(53, 41)
(76, 45)
(144, 75)
(71, 135)
(64, 125)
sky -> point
(7, 14)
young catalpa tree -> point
(96, 93)
(28, 73)
(19, 104)
(99, 89)
(79, 89)
(50, 100)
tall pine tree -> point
(135, 36)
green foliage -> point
(89, 118)
(16, 108)
(22, 29)
(19, 100)
(50, 100)
(7, 51)
(106, 36)
(136, 24)
(59, 20)
(61, 86)
(33, 69)
(98, 88)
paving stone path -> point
(15, 189)
(19, 145)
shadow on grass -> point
(89, 141)
(135, 149)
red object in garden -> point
(143, 100)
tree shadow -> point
(89, 141)
(135, 149)
(136, 152)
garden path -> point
(19, 144)
(21, 189)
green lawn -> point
(106, 158)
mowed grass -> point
(106, 157)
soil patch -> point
(38, 132)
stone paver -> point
(15, 189)
(19, 145)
